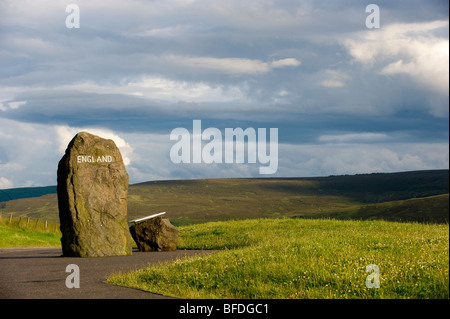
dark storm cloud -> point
(310, 68)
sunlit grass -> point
(291, 258)
(19, 233)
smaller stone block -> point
(156, 234)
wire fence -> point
(27, 222)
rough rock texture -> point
(156, 234)
(92, 199)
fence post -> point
(20, 219)
(45, 225)
(10, 218)
(28, 221)
(37, 221)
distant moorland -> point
(278, 237)
(405, 196)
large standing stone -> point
(156, 234)
(92, 198)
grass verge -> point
(17, 234)
(296, 258)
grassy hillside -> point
(265, 255)
(25, 192)
(44, 207)
(198, 201)
(381, 187)
(293, 258)
(433, 209)
(19, 234)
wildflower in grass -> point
(299, 258)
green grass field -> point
(297, 258)
(281, 238)
(35, 234)
(286, 258)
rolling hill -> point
(388, 196)
(25, 192)
(432, 209)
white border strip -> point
(144, 218)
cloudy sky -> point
(346, 99)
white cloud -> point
(332, 83)
(354, 138)
(332, 78)
(284, 63)
(173, 91)
(5, 106)
(406, 48)
(428, 64)
(233, 66)
(33, 159)
(28, 151)
(31, 152)
(339, 154)
(5, 183)
(15, 105)
(349, 158)
(66, 133)
(149, 87)
(232, 60)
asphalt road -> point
(39, 272)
